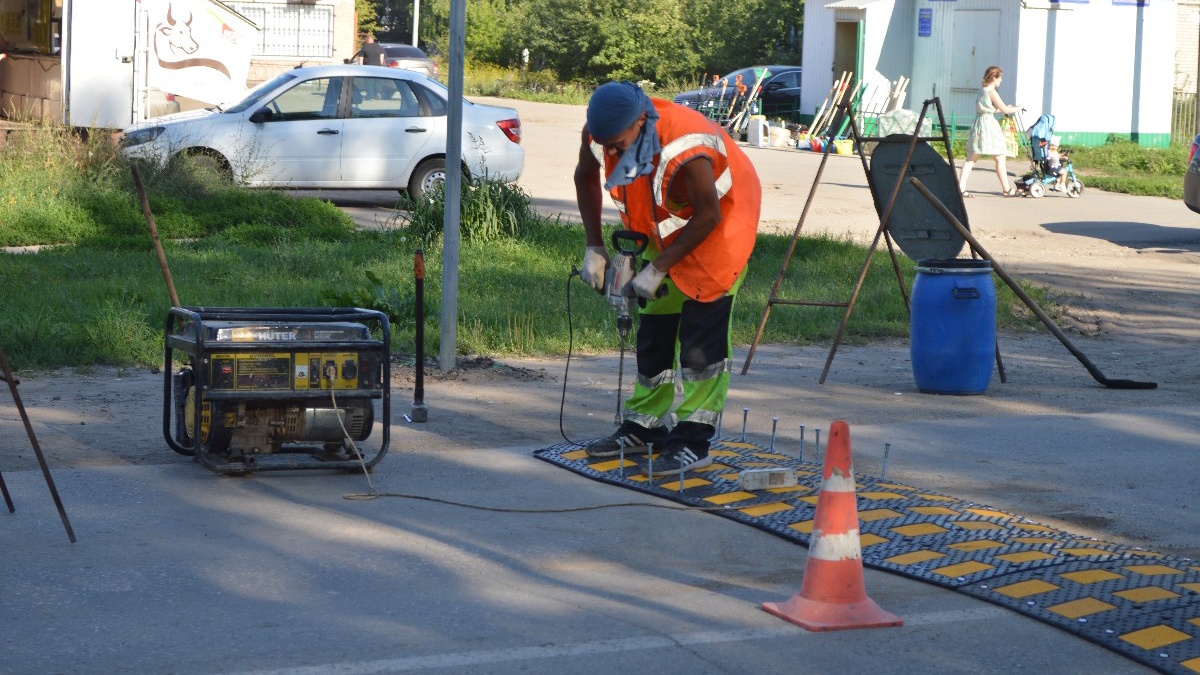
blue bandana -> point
(613, 108)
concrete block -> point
(52, 111)
(17, 81)
(45, 79)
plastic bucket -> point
(844, 146)
(952, 334)
(758, 133)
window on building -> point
(290, 30)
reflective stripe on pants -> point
(698, 334)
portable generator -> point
(275, 389)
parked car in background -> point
(780, 96)
(1191, 178)
(408, 57)
(159, 103)
(338, 126)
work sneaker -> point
(624, 439)
(677, 459)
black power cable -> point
(562, 404)
(375, 493)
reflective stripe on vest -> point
(673, 150)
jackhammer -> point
(622, 268)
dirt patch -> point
(466, 369)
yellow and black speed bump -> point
(1141, 604)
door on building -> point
(975, 46)
(845, 48)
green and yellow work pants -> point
(698, 335)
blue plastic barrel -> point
(952, 334)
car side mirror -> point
(261, 115)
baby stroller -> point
(1043, 176)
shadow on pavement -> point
(1134, 235)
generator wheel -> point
(1036, 189)
(213, 438)
(184, 382)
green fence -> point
(1183, 117)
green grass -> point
(56, 188)
(94, 304)
(99, 298)
(1118, 166)
(1123, 166)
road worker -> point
(679, 179)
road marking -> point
(476, 658)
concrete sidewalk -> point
(177, 570)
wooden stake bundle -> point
(837, 100)
(839, 89)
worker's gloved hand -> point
(595, 260)
(647, 281)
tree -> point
(644, 39)
(367, 13)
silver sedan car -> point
(339, 126)
(408, 57)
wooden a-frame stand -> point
(885, 212)
(37, 450)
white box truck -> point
(118, 55)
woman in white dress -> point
(986, 137)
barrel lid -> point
(918, 229)
(955, 266)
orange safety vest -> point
(710, 269)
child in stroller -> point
(1050, 167)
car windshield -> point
(404, 52)
(256, 94)
(746, 73)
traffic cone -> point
(834, 596)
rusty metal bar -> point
(883, 224)
(787, 257)
(37, 449)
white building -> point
(1103, 67)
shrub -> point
(489, 211)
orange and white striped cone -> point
(834, 596)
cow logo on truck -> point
(174, 45)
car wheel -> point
(1036, 189)
(211, 163)
(426, 177)
(1075, 189)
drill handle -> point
(630, 243)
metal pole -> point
(450, 238)
(416, 20)
(419, 412)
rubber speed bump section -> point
(1145, 611)
(1074, 609)
(1165, 640)
(1096, 589)
(1023, 589)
